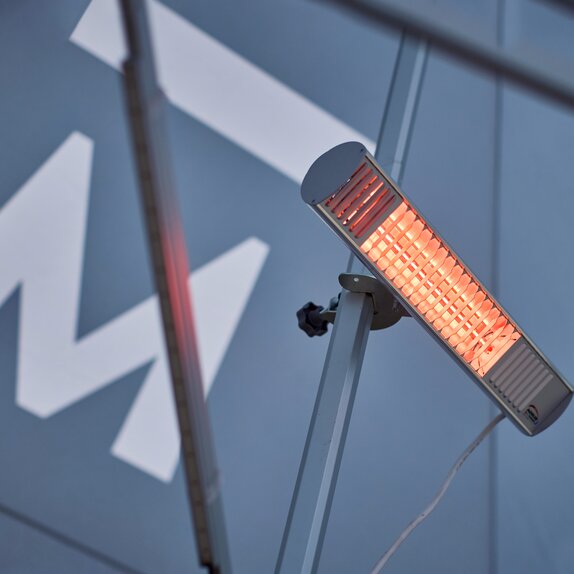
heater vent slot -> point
(521, 376)
(430, 277)
(364, 200)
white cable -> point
(425, 513)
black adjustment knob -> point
(310, 320)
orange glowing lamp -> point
(366, 209)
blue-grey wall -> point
(68, 505)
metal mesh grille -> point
(362, 201)
(431, 278)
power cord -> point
(427, 511)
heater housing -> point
(365, 208)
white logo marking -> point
(42, 232)
(47, 219)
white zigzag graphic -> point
(46, 220)
(42, 232)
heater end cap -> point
(331, 170)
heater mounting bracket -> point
(314, 319)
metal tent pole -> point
(170, 269)
(304, 533)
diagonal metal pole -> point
(146, 105)
(520, 70)
(564, 4)
(308, 516)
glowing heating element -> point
(423, 268)
(367, 210)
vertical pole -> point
(308, 516)
(170, 269)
